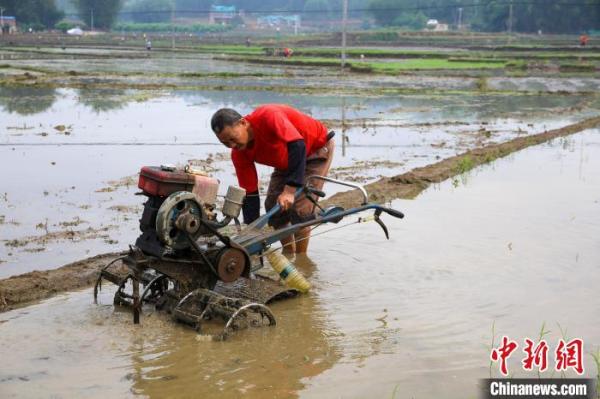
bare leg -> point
(289, 247)
(302, 237)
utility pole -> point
(343, 126)
(460, 18)
(510, 17)
(2, 20)
(344, 22)
(172, 26)
(92, 18)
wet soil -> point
(28, 287)
(188, 69)
(18, 289)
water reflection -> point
(271, 362)
(26, 100)
(161, 358)
(103, 100)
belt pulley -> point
(181, 214)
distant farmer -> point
(148, 45)
(583, 40)
(287, 52)
(295, 144)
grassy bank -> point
(415, 64)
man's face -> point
(235, 136)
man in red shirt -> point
(295, 144)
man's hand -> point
(286, 198)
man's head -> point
(231, 128)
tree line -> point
(528, 16)
(548, 16)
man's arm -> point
(248, 180)
(296, 148)
(251, 207)
(296, 163)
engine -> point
(181, 205)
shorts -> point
(303, 209)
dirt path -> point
(19, 290)
(36, 285)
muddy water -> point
(511, 246)
(71, 180)
(151, 68)
(131, 61)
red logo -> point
(503, 353)
(568, 355)
(536, 356)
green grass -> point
(481, 83)
(308, 61)
(596, 357)
(423, 64)
(380, 67)
(577, 67)
(230, 49)
(459, 55)
(517, 64)
(372, 53)
(464, 165)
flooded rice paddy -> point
(77, 151)
(128, 67)
(498, 251)
(501, 250)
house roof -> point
(222, 8)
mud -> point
(69, 234)
(353, 172)
(28, 287)
(113, 185)
(18, 290)
(286, 78)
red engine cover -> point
(155, 181)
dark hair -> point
(224, 117)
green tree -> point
(194, 5)
(32, 12)
(384, 11)
(402, 13)
(414, 21)
(149, 11)
(561, 16)
(317, 9)
(103, 12)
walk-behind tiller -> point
(197, 270)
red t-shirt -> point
(274, 126)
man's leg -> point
(305, 208)
(280, 220)
(302, 237)
(288, 244)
